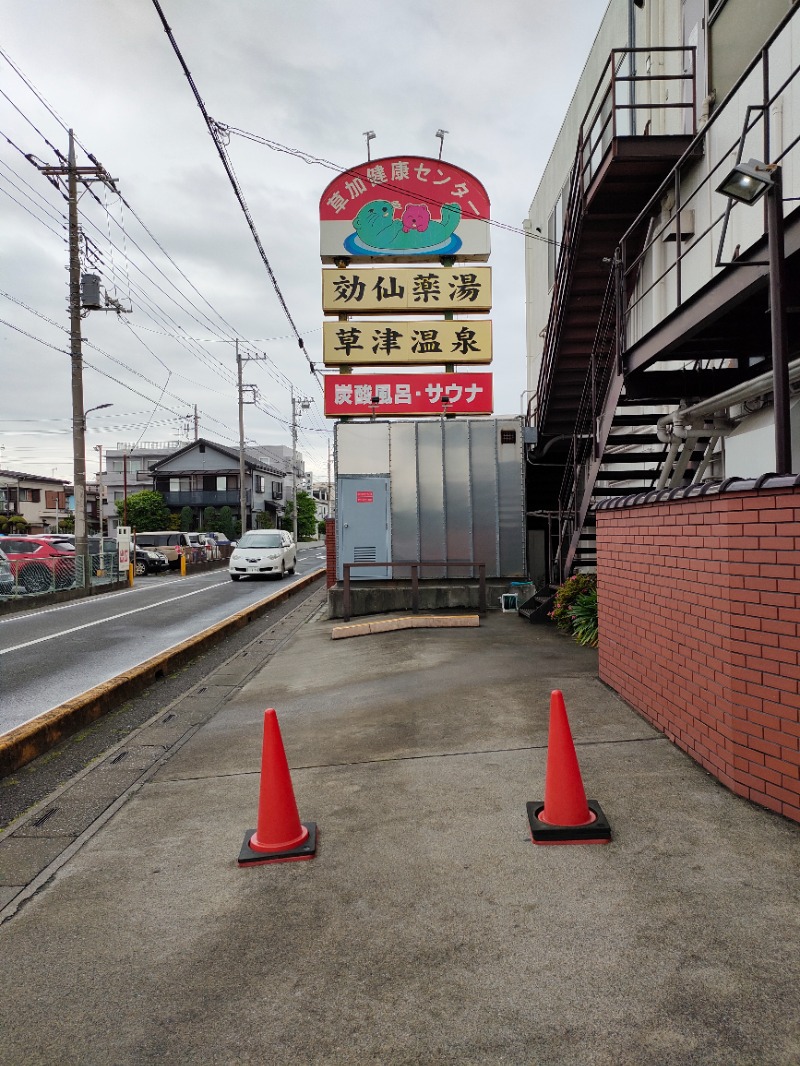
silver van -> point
(170, 542)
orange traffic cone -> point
(566, 816)
(279, 837)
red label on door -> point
(365, 497)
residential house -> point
(663, 348)
(93, 510)
(323, 499)
(127, 468)
(41, 501)
(205, 474)
(281, 457)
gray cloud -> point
(310, 75)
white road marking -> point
(92, 601)
(111, 618)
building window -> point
(180, 484)
(30, 495)
(259, 480)
(555, 231)
(222, 483)
(277, 490)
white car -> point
(263, 551)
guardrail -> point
(414, 567)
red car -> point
(40, 564)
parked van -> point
(170, 542)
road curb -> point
(28, 741)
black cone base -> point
(306, 850)
(596, 832)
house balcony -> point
(198, 498)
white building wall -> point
(655, 296)
(613, 33)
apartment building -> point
(662, 266)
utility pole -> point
(196, 424)
(299, 404)
(240, 359)
(242, 490)
(73, 174)
(329, 512)
(125, 488)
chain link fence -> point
(40, 577)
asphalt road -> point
(52, 655)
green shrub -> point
(567, 595)
(584, 619)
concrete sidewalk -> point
(428, 929)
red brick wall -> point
(330, 552)
(700, 631)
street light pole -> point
(101, 516)
(778, 328)
(99, 406)
(747, 183)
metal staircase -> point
(596, 438)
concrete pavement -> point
(428, 929)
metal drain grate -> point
(43, 817)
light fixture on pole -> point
(370, 136)
(99, 407)
(746, 184)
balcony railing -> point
(198, 498)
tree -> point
(187, 519)
(146, 510)
(263, 520)
(225, 522)
(210, 519)
(14, 523)
(306, 516)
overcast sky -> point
(312, 76)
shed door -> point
(362, 506)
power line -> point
(215, 136)
(310, 159)
(186, 341)
(34, 90)
(48, 207)
(219, 368)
